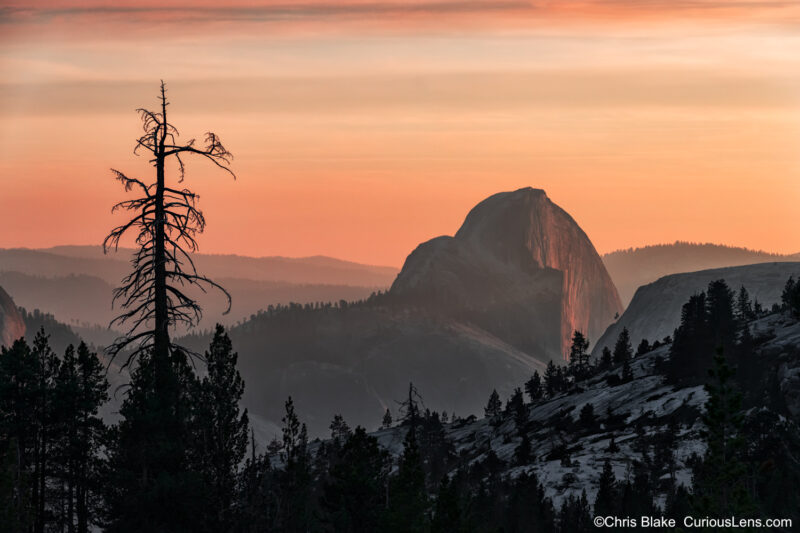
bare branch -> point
(161, 273)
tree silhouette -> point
(721, 485)
(579, 357)
(166, 222)
(623, 350)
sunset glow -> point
(361, 128)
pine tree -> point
(623, 350)
(627, 372)
(693, 342)
(744, 307)
(605, 503)
(721, 319)
(606, 360)
(436, 449)
(562, 378)
(80, 390)
(387, 419)
(790, 297)
(295, 513)
(720, 481)
(579, 356)
(13, 487)
(522, 453)
(551, 384)
(448, 512)
(749, 367)
(493, 407)
(256, 498)
(637, 495)
(340, 431)
(151, 485)
(527, 508)
(575, 516)
(515, 406)
(408, 501)
(45, 367)
(353, 498)
(221, 430)
(18, 432)
(534, 387)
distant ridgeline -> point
(75, 283)
(634, 267)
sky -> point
(362, 128)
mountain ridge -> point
(655, 309)
(522, 242)
(633, 267)
(62, 260)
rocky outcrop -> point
(12, 327)
(634, 413)
(520, 267)
(467, 314)
(655, 310)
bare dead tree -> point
(165, 223)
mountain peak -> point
(521, 250)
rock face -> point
(520, 267)
(12, 327)
(655, 310)
(467, 314)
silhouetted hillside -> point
(318, 270)
(85, 300)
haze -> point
(363, 128)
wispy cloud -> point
(44, 12)
(269, 12)
(432, 94)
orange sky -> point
(363, 128)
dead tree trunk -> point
(165, 223)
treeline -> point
(59, 335)
(51, 437)
(64, 469)
(688, 245)
(560, 379)
(350, 483)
